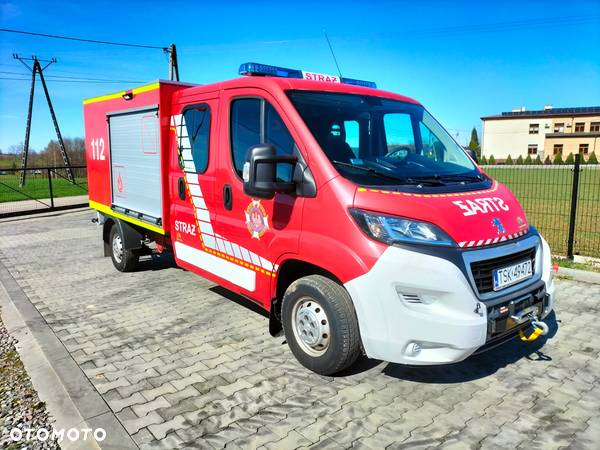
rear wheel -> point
(123, 259)
(320, 324)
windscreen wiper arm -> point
(400, 180)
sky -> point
(462, 60)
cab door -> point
(193, 163)
(255, 232)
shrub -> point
(519, 161)
(482, 161)
(592, 158)
(508, 160)
(558, 159)
(537, 161)
(570, 159)
(492, 160)
(547, 161)
(528, 160)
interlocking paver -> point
(182, 366)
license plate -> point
(510, 275)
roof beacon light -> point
(254, 69)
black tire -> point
(344, 341)
(128, 259)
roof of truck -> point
(267, 82)
(264, 82)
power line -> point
(72, 81)
(71, 78)
(92, 41)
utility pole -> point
(38, 69)
(173, 66)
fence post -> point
(50, 188)
(573, 207)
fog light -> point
(413, 349)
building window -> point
(579, 127)
(584, 148)
(532, 149)
(534, 128)
(559, 127)
(558, 148)
(595, 127)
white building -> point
(541, 133)
(514, 135)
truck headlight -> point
(392, 229)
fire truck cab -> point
(347, 212)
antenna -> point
(332, 53)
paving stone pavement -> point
(182, 365)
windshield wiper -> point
(400, 180)
(458, 177)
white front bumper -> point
(445, 324)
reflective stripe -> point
(109, 212)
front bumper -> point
(411, 297)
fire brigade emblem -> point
(120, 186)
(257, 219)
(498, 224)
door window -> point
(197, 124)
(249, 127)
(245, 129)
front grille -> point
(482, 270)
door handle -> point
(227, 197)
(181, 188)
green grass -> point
(36, 187)
(563, 262)
(545, 194)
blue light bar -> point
(255, 69)
(369, 84)
(264, 69)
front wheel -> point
(123, 259)
(320, 324)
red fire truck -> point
(347, 212)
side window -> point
(245, 129)
(352, 135)
(399, 134)
(433, 148)
(197, 124)
(277, 134)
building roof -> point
(551, 112)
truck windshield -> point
(374, 140)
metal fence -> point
(561, 201)
(45, 189)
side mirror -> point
(260, 172)
(472, 154)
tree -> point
(482, 161)
(558, 159)
(13, 166)
(528, 161)
(537, 161)
(509, 161)
(491, 160)
(592, 158)
(570, 159)
(519, 160)
(547, 161)
(474, 143)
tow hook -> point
(539, 329)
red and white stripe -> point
(491, 241)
